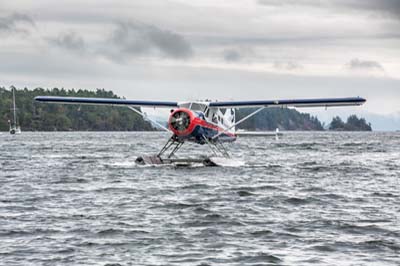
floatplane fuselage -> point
(202, 124)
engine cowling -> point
(181, 122)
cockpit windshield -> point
(201, 107)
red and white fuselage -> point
(199, 124)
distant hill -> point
(35, 116)
(353, 124)
(282, 118)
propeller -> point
(180, 121)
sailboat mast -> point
(14, 109)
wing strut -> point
(146, 117)
(239, 122)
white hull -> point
(15, 131)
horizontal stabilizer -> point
(105, 101)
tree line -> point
(35, 116)
(282, 118)
(353, 123)
(291, 119)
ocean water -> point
(307, 199)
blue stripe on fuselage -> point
(200, 131)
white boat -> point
(244, 133)
(14, 127)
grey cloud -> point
(287, 65)
(289, 2)
(13, 22)
(239, 53)
(70, 41)
(232, 56)
(386, 7)
(133, 38)
(391, 7)
(357, 64)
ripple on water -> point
(308, 199)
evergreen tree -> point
(353, 123)
(337, 124)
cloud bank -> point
(15, 22)
(138, 39)
(357, 64)
(69, 40)
(382, 7)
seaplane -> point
(211, 123)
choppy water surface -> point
(307, 199)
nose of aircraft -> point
(180, 121)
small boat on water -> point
(243, 133)
(14, 127)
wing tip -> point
(39, 98)
(361, 100)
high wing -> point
(105, 101)
(324, 102)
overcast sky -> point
(197, 49)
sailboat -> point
(14, 127)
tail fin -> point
(230, 118)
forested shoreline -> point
(35, 116)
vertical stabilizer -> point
(230, 119)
